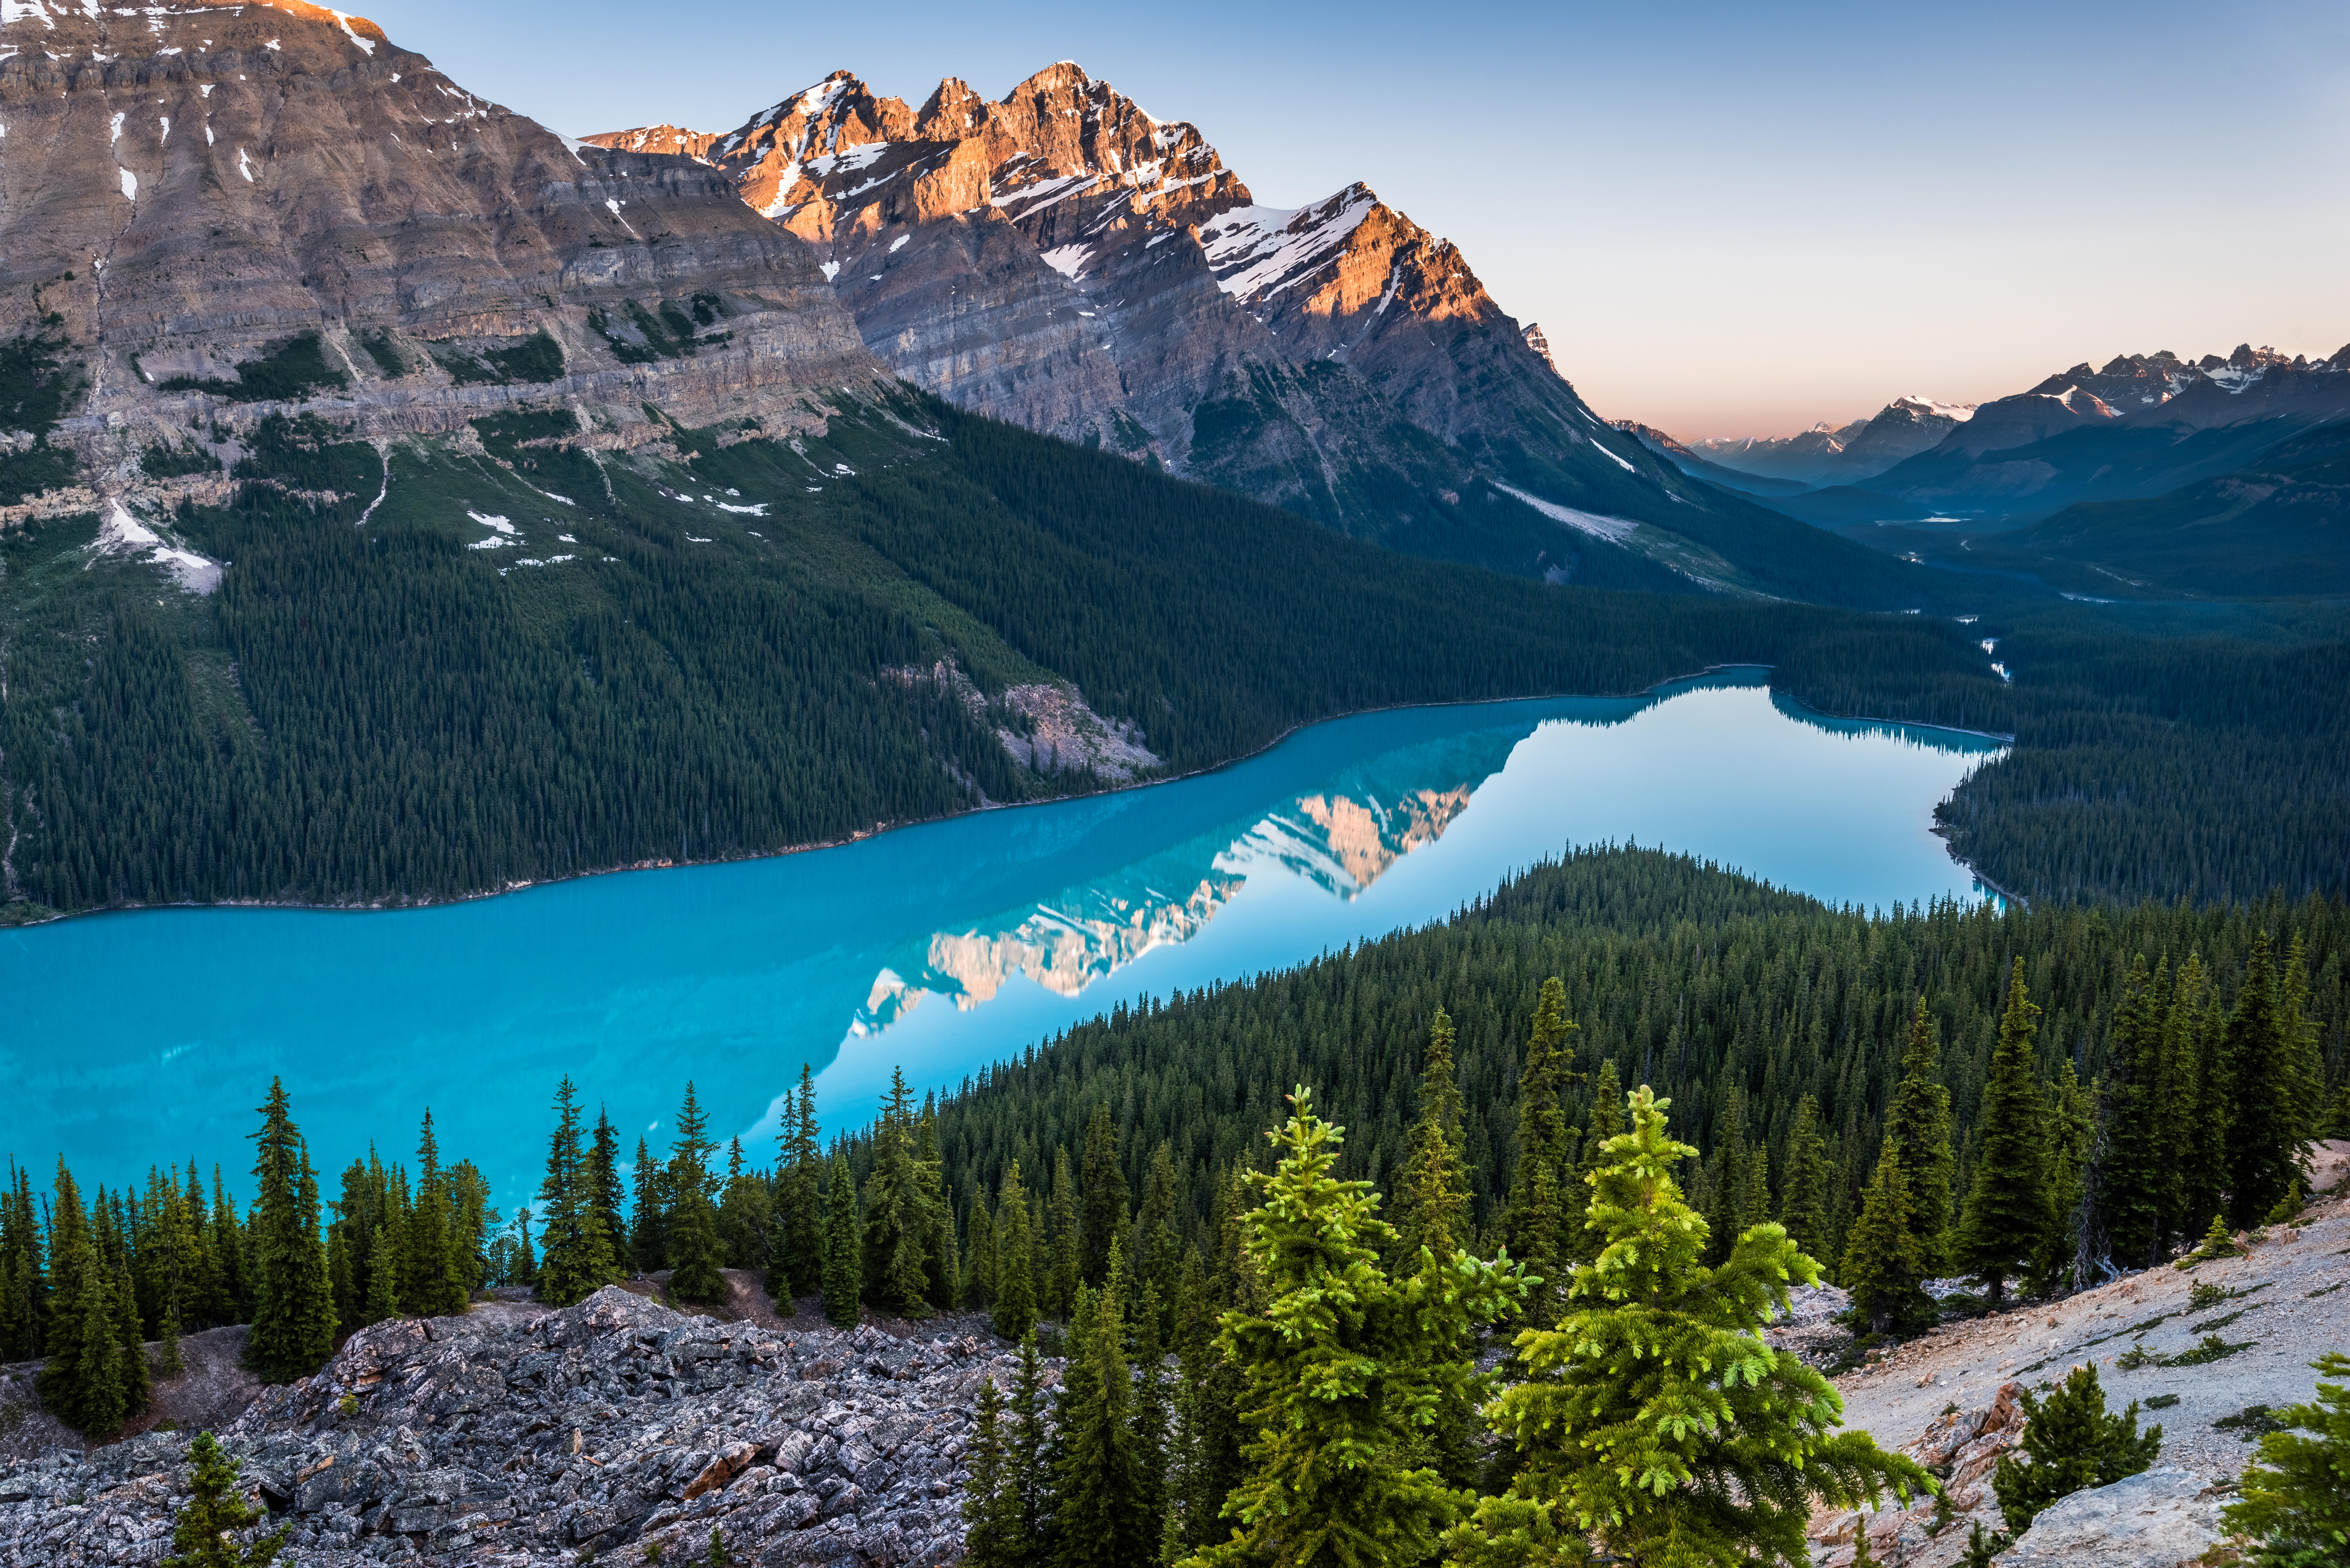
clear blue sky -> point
(1730, 219)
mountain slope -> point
(1822, 456)
(1061, 259)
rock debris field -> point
(517, 1435)
(1947, 1398)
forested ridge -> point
(726, 647)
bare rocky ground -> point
(1948, 1397)
(617, 1429)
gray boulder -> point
(2160, 1517)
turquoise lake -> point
(153, 1035)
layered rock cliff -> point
(212, 211)
(1061, 258)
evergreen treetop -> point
(2007, 1215)
(1654, 1421)
(2072, 1444)
(1917, 1127)
(2294, 1501)
(217, 1510)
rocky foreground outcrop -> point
(517, 1434)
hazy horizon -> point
(1728, 222)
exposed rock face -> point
(1063, 259)
(2161, 1517)
(188, 189)
(515, 1435)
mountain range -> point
(2152, 475)
(398, 500)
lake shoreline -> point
(486, 894)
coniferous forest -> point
(391, 713)
(2028, 1098)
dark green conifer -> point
(1027, 1441)
(1065, 1259)
(83, 1383)
(575, 1251)
(2006, 1215)
(233, 1301)
(649, 1213)
(1015, 1264)
(1725, 1213)
(1430, 1208)
(900, 1226)
(1099, 1520)
(606, 1195)
(2072, 1444)
(216, 1512)
(1918, 1129)
(844, 1260)
(695, 1253)
(1537, 1212)
(1884, 1262)
(435, 1284)
(2132, 1172)
(2195, 1026)
(1105, 1195)
(383, 1269)
(993, 1530)
(2265, 1150)
(798, 1267)
(1607, 1120)
(2295, 1506)
(294, 1313)
(2070, 1123)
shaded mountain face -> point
(213, 213)
(1064, 260)
(1825, 456)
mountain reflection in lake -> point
(128, 1038)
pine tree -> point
(2007, 1207)
(1884, 1262)
(382, 1296)
(83, 1383)
(1097, 1518)
(1918, 1129)
(1064, 1261)
(606, 1196)
(1153, 1417)
(2070, 1124)
(21, 1284)
(1804, 1195)
(2304, 1058)
(217, 1510)
(1725, 1216)
(900, 1226)
(994, 1534)
(575, 1251)
(233, 1302)
(1538, 1214)
(2200, 1105)
(1344, 1363)
(1583, 1239)
(695, 1254)
(1732, 1473)
(1027, 1441)
(1015, 1261)
(436, 1284)
(1431, 1187)
(2131, 1164)
(2265, 1151)
(1158, 1241)
(844, 1260)
(798, 1269)
(293, 1315)
(2072, 1444)
(649, 1213)
(2294, 1501)
(979, 1254)
(1102, 1221)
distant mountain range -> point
(2153, 475)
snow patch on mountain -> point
(1257, 252)
(1614, 529)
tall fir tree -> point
(2070, 1124)
(83, 1383)
(2006, 1214)
(844, 1259)
(1016, 1260)
(2265, 1151)
(2132, 1165)
(1583, 1239)
(293, 1315)
(2201, 1022)
(1104, 1197)
(1917, 1127)
(233, 1296)
(1065, 1261)
(1344, 1363)
(436, 1282)
(798, 1269)
(1884, 1262)
(1027, 1441)
(695, 1254)
(1538, 1214)
(1650, 1328)
(1430, 1208)
(649, 1213)
(899, 1225)
(575, 1251)
(979, 1254)
(606, 1194)
(993, 1529)
(1099, 1520)
(1725, 1213)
